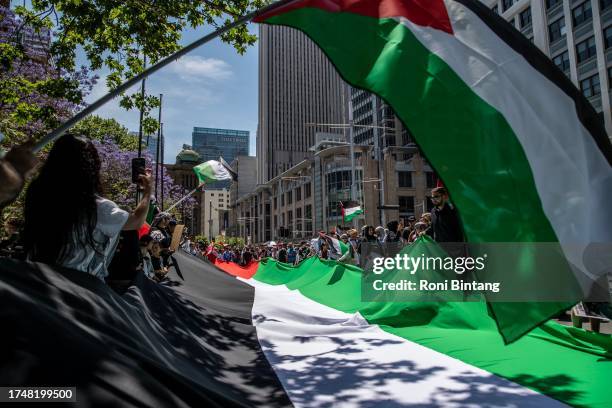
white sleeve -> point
(111, 218)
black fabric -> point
(446, 225)
(157, 263)
(540, 61)
(126, 259)
(159, 345)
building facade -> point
(183, 175)
(214, 212)
(303, 200)
(298, 87)
(576, 35)
(246, 168)
(152, 146)
(212, 143)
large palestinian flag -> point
(329, 348)
(523, 154)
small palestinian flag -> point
(507, 132)
(152, 212)
(213, 170)
(350, 211)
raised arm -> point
(139, 216)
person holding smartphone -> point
(67, 220)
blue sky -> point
(213, 86)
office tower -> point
(576, 35)
(298, 86)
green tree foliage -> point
(97, 128)
(119, 34)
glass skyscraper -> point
(213, 143)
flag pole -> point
(57, 132)
(141, 113)
(184, 198)
(161, 169)
(157, 151)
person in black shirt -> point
(282, 254)
(444, 218)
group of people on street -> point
(345, 245)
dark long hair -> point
(60, 205)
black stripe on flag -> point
(176, 344)
(540, 61)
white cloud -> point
(194, 67)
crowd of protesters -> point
(442, 225)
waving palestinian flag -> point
(350, 210)
(523, 154)
(329, 348)
(214, 170)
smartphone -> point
(138, 168)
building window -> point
(282, 200)
(430, 179)
(562, 61)
(275, 202)
(608, 37)
(590, 86)
(586, 49)
(604, 4)
(556, 30)
(289, 197)
(506, 4)
(298, 194)
(525, 17)
(307, 188)
(582, 13)
(308, 216)
(405, 178)
(406, 205)
(552, 3)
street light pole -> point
(352, 153)
(210, 219)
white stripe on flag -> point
(324, 357)
(352, 210)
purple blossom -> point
(41, 95)
(116, 177)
